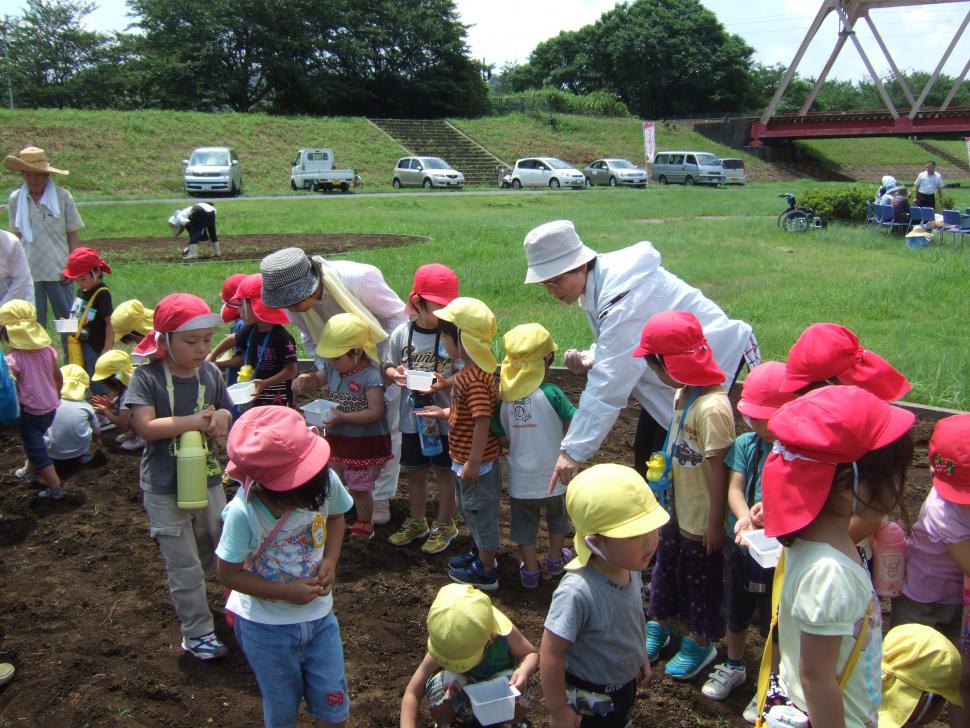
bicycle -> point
(798, 218)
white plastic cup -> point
(66, 326)
(242, 392)
(492, 701)
(318, 411)
(763, 549)
(419, 381)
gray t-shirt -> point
(604, 621)
(69, 435)
(148, 388)
(414, 347)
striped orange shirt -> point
(474, 394)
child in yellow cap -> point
(358, 433)
(467, 329)
(33, 362)
(593, 651)
(114, 370)
(469, 641)
(534, 416)
(921, 672)
(131, 321)
(75, 425)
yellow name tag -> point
(319, 530)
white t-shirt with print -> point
(826, 593)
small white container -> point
(317, 412)
(242, 392)
(492, 701)
(763, 549)
(418, 381)
(66, 326)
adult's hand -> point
(565, 470)
(578, 362)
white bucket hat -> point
(553, 249)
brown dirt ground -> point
(86, 616)
(252, 247)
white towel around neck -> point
(22, 217)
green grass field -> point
(909, 306)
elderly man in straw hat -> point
(45, 218)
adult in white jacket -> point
(619, 292)
(15, 280)
(312, 290)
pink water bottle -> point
(888, 559)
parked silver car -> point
(689, 168)
(425, 172)
(546, 172)
(213, 169)
(615, 172)
(734, 171)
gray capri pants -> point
(479, 505)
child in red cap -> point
(92, 308)
(417, 345)
(176, 392)
(278, 553)
(230, 315)
(747, 586)
(264, 345)
(835, 447)
(687, 579)
(938, 548)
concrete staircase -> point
(438, 138)
(938, 153)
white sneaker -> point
(382, 512)
(127, 435)
(723, 680)
(750, 713)
(134, 443)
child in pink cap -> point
(278, 553)
(747, 586)
(687, 579)
(835, 447)
(938, 549)
(176, 392)
(230, 315)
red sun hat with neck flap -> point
(250, 289)
(434, 282)
(830, 351)
(176, 312)
(816, 432)
(230, 311)
(82, 261)
(950, 458)
(677, 336)
(761, 394)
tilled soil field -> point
(86, 616)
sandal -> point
(555, 567)
(362, 530)
(529, 579)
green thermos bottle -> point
(191, 471)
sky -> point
(503, 31)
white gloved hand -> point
(578, 362)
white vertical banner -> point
(650, 141)
(968, 147)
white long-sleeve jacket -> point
(15, 280)
(623, 290)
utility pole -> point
(6, 65)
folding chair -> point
(955, 224)
(870, 213)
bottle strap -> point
(170, 386)
(683, 417)
(249, 345)
(437, 340)
(84, 314)
(268, 539)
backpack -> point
(9, 407)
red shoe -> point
(362, 530)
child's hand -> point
(439, 383)
(713, 538)
(304, 382)
(743, 525)
(303, 591)
(102, 403)
(645, 674)
(217, 421)
(563, 718)
(326, 573)
(432, 410)
(758, 515)
(470, 472)
(334, 418)
(260, 385)
(399, 377)
(519, 679)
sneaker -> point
(410, 530)
(7, 671)
(463, 560)
(750, 713)
(476, 575)
(105, 424)
(206, 647)
(51, 493)
(529, 579)
(691, 659)
(442, 534)
(723, 680)
(382, 512)
(362, 530)
(26, 474)
(126, 435)
(555, 567)
(658, 637)
(134, 443)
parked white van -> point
(212, 169)
(546, 172)
(689, 168)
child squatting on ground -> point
(178, 391)
(92, 308)
(75, 425)
(533, 417)
(33, 362)
(593, 653)
(278, 553)
(687, 578)
(357, 430)
(114, 370)
(467, 329)
(417, 346)
(838, 446)
(469, 641)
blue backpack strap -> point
(9, 406)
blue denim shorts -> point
(293, 661)
(32, 429)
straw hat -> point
(919, 232)
(31, 159)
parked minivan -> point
(734, 171)
(212, 169)
(689, 168)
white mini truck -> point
(313, 170)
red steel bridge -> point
(917, 119)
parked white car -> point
(425, 172)
(614, 172)
(213, 169)
(546, 172)
(734, 171)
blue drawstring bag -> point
(9, 408)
